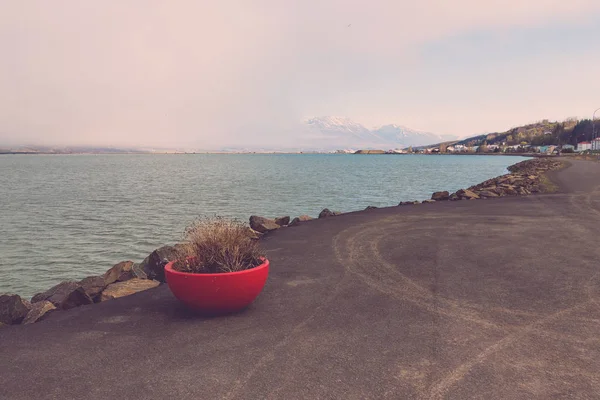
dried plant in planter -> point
(217, 245)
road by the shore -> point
(486, 299)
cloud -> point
(203, 74)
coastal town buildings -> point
(582, 146)
(457, 148)
(596, 144)
(397, 151)
(546, 149)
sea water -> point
(70, 216)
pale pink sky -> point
(208, 74)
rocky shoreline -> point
(126, 278)
(525, 178)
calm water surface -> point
(71, 216)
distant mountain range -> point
(342, 132)
(319, 134)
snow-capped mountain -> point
(338, 125)
(345, 133)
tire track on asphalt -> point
(450, 302)
(357, 251)
(268, 358)
(417, 291)
(440, 389)
(360, 262)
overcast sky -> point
(215, 73)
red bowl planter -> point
(217, 293)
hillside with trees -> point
(570, 131)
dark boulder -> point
(440, 196)
(93, 286)
(328, 213)
(371, 208)
(154, 265)
(38, 311)
(302, 218)
(499, 191)
(138, 272)
(282, 221)
(504, 179)
(262, 224)
(76, 298)
(428, 201)
(65, 295)
(13, 309)
(118, 272)
(488, 193)
(55, 291)
(124, 271)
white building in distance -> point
(582, 146)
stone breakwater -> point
(122, 279)
(525, 178)
(127, 277)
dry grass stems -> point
(217, 245)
